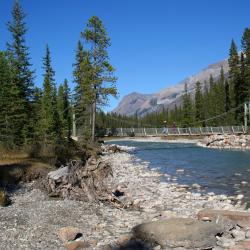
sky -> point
(155, 43)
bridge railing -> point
(178, 131)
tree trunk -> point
(93, 122)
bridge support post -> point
(178, 131)
(74, 125)
(222, 130)
(245, 117)
(200, 131)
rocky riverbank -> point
(241, 142)
(36, 221)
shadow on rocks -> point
(133, 245)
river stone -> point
(225, 242)
(179, 232)
(66, 234)
(76, 245)
(238, 235)
(248, 234)
(243, 245)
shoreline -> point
(37, 218)
(154, 139)
(198, 142)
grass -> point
(17, 165)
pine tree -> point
(84, 75)
(102, 71)
(198, 103)
(82, 103)
(22, 74)
(8, 111)
(50, 122)
(188, 116)
(64, 109)
(220, 97)
(245, 60)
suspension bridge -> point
(164, 131)
(131, 131)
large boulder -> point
(240, 218)
(179, 232)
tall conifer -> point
(22, 74)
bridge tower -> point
(246, 115)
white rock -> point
(179, 170)
(196, 185)
(225, 242)
(239, 197)
(248, 234)
(238, 235)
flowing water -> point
(220, 171)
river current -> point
(219, 171)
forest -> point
(40, 119)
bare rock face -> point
(179, 232)
(141, 104)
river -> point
(219, 171)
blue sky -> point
(155, 44)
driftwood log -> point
(215, 140)
(81, 181)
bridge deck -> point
(122, 132)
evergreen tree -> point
(102, 71)
(188, 117)
(8, 111)
(82, 102)
(220, 97)
(50, 122)
(198, 103)
(64, 109)
(22, 74)
(245, 61)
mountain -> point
(141, 104)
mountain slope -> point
(141, 104)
